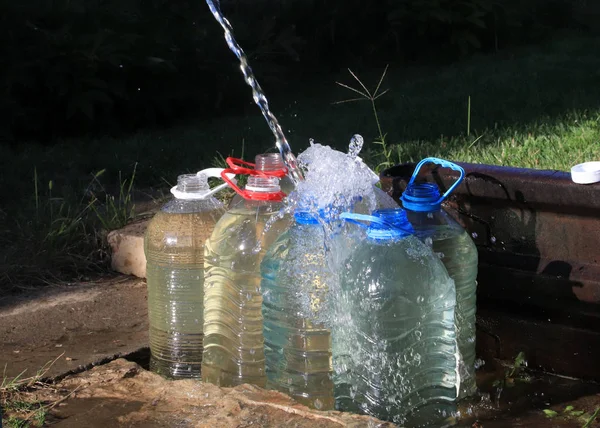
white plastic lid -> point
(201, 190)
(586, 173)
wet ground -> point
(77, 325)
(85, 328)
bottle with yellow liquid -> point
(174, 248)
(233, 323)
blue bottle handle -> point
(359, 218)
(444, 163)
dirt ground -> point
(77, 326)
(84, 329)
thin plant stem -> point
(469, 116)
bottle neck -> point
(191, 187)
(263, 185)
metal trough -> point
(538, 236)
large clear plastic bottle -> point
(174, 247)
(295, 283)
(393, 337)
(233, 324)
(423, 204)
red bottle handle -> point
(238, 167)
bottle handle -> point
(209, 173)
(445, 164)
(239, 166)
(217, 173)
(360, 218)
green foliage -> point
(461, 22)
(591, 419)
(70, 67)
(515, 372)
(23, 413)
(365, 94)
(52, 235)
(569, 413)
(117, 211)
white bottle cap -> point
(586, 173)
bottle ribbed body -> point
(394, 344)
(457, 251)
(295, 283)
(174, 248)
(233, 324)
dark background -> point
(98, 67)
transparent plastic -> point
(458, 253)
(295, 283)
(267, 162)
(233, 324)
(174, 248)
(393, 338)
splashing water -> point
(335, 181)
(356, 144)
(257, 93)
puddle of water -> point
(102, 411)
(523, 401)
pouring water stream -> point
(257, 94)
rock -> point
(121, 393)
(127, 245)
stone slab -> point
(121, 393)
(77, 326)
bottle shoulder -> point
(182, 206)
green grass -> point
(18, 410)
(536, 107)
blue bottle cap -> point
(425, 197)
(384, 225)
(305, 217)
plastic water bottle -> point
(233, 324)
(295, 283)
(393, 338)
(174, 248)
(453, 244)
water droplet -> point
(420, 299)
(318, 404)
(474, 235)
(356, 144)
(493, 239)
